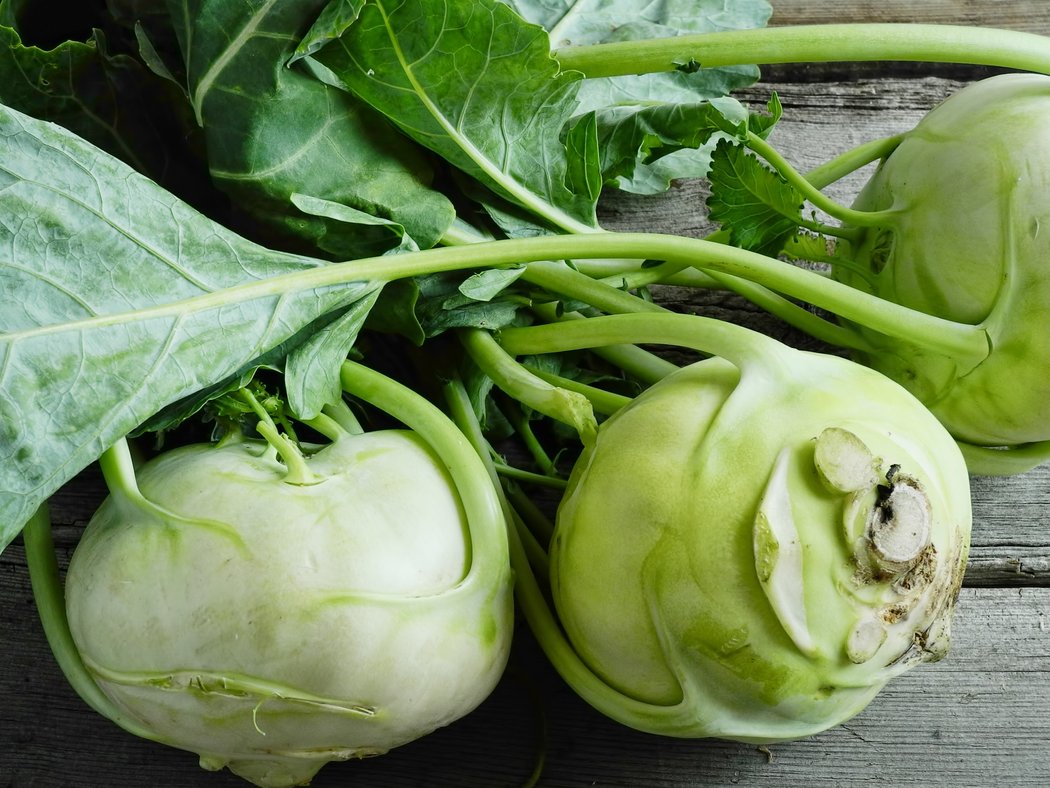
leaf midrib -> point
(526, 197)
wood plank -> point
(1026, 15)
(975, 719)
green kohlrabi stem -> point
(523, 428)
(341, 413)
(531, 514)
(298, 472)
(966, 344)
(605, 402)
(806, 188)
(852, 160)
(568, 407)
(635, 361)
(50, 604)
(327, 426)
(814, 44)
(488, 529)
(788, 311)
(738, 345)
(529, 477)
(540, 618)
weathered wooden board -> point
(976, 719)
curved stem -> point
(738, 345)
(541, 619)
(852, 160)
(340, 412)
(488, 530)
(50, 604)
(762, 297)
(327, 426)
(602, 401)
(568, 407)
(815, 44)
(529, 477)
(966, 344)
(806, 188)
(637, 362)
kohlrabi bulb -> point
(753, 555)
(969, 187)
(272, 627)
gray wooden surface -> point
(978, 718)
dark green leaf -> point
(760, 209)
(395, 311)
(636, 142)
(477, 85)
(273, 131)
(79, 85)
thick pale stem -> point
(541, 620)
(814, 44)
(488, 530)
(50, 603)
(966, 344)
(738, 345)
(568, 407)
(852, 160)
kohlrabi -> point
(963, 204)
(273, 612)
(753, 546)
(949, 226)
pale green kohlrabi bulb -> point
(968, 241)
(272, 627)
(754, 555)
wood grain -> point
(976, 719)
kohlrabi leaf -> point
(126, 300)
(316, 206)
(81, 86)
(575, 22)
(443, 305)
(614, 100)
(475, 83)
(273, 131)
(760, 209)
(311, 372)
(635, 141)
(486, 285)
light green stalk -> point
(814, 44)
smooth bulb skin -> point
(763, 586)
(272, 627)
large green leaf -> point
(274, 131)
(649, 107)
(475, 83)
(119, 299)
(576, 22)
(80, 85)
